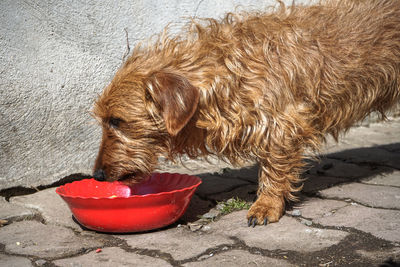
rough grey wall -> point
(55, 57)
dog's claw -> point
(249, 221)
(252, 222)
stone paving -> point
(349, 215)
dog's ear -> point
(177, 98)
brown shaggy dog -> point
(254, 86)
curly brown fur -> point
(254, 86)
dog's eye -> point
(114, 122)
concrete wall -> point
(55, 57)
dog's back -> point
(303, 70)
(356, 48)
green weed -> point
(233, 204)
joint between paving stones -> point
(210, 252)
(382, 185)
(33, 259)
(113, 241)
(155, 253)
(37, 216)
(364, 163)
(355, 240)
(351, 201)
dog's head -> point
(139, 115)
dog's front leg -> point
(277, 181)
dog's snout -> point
(99, 175)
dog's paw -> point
(265, 210)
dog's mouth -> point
(127, 177)
(134, 178)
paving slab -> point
(180, 242)
(196, 208)
(246, 193)
(111, 257)
(393, 147)
(213, 184)
(390, 179)
(381, 223)
(375, 134)
(338, 168)
(318, 208)
(278, 235)
(314, 183)
(14, 261)
(369, 195)
(249, 173)
(45, 241)
(10, 211)
(51, 207)
(238, 258)
(373, 155)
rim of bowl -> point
(198, 182)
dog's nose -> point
(99, 175)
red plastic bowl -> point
(117, 208)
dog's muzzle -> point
(99, 175)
